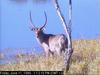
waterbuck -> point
(51, 43)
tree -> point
(67, 28)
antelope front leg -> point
(46, 49)
(47, 53)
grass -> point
(85, 60)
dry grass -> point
(85, 60)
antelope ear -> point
(43, 28)
(31, 28)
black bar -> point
(31, 72)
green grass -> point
(85, 60)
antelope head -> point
(37, 30)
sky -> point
(14, 21)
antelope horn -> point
(45, 20)
(31, 23)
